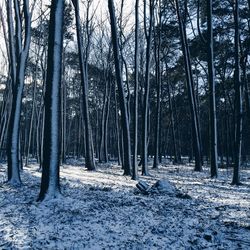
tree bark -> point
(136, 89)
(102, 157)
(89, 156)
(195, 125)
(158, 78)
(18, 74)
(124, 111)
(106, 121)
(212, 104)
(119, 151)
(50, 186)
(238, 101)
(145, 170)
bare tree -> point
(158, 81)
(238, 99)
(19, 51)
(190, 87)
(135, 163)
(123, 106)
(89, 155)
(50, 187)
(212, 107)
(145, 122)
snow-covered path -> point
(104, 210)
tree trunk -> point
(18, 75)
(89, 156)
(50, 186)
(135, 163)
(32, 112)
(124, 111)
(172, 122)
(106, 158)
(104, 111)
(238, 101)
(158, 78)
(195, 126)
(212, 104)
(63, 110)
(117, 132)
(145, 170)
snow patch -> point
(102, 210)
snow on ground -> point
(104, 210)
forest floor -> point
(104, 210)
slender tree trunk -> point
(176, 127)
(6, 115)
(145, 170)
(117, 132)
(41, 115)
(89, 157)
(63, 110)
(158, 77)
(135, 163)
(172, 122)
(212, 105)
(79, 137)
(245, 84)
(104, 110)
(124, 111)
(192, 89)
(238, 101)
(97, 134)
(32, 115)
(195, 126)
(18, 75)
(106, 123)
(38, 135)
(227, 139)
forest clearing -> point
(105, 210)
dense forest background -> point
(160, 79)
